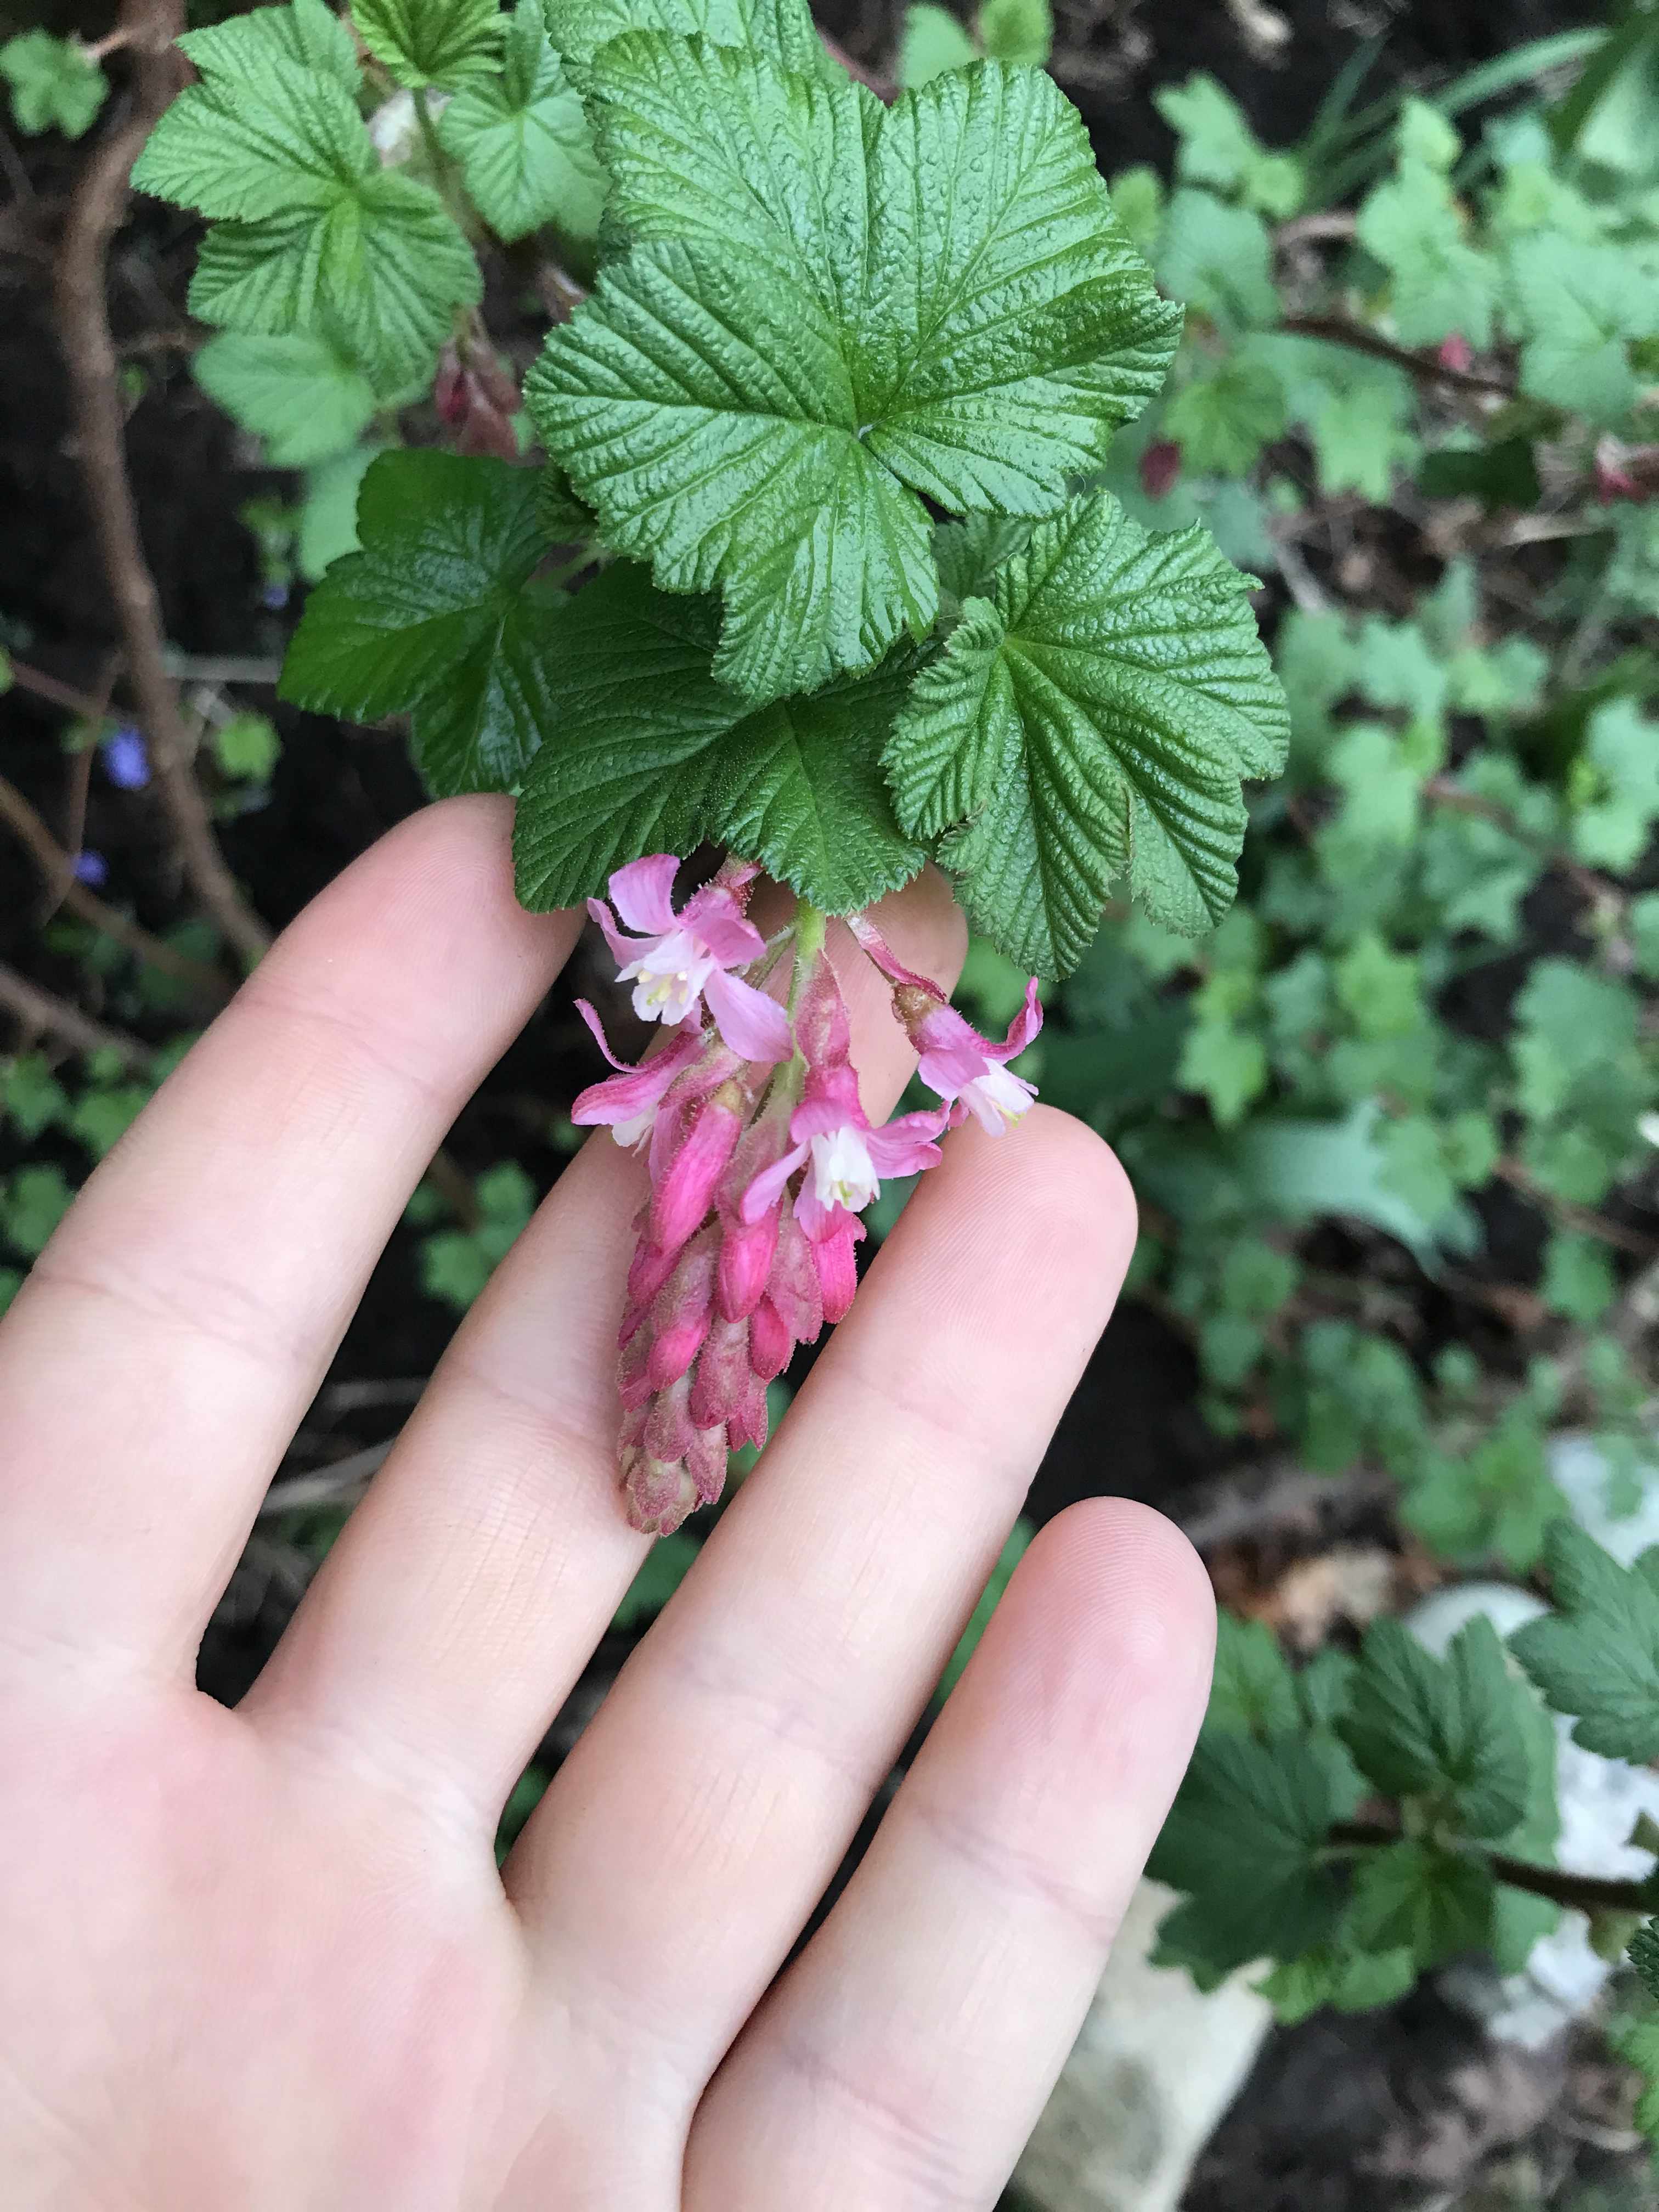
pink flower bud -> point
(748, 1426)
(682, 1198)
(745, 1261)
(793, 1285)
(668, 1425)
(660, 1494)
(769, 1341)
(837, 1273)
(722, 1381)
(632, 1384)
(674, 1348)
(1160, 466)
(649, 1269)
(1455, 354)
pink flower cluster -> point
(761, 1158)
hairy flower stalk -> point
(761, 1158)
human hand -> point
(263, 1959)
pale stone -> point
(1155, 2067)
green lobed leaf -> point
(436, 616)
(1094, 720)
(1218, 258)
(654, 754)
(1449, 1731)
(803, 340)
(315, 237)
(1413, 224)
(1223, 418)
(380, 273)
(523, 143)
(308, 34)
(231, 149)
(1598, 1655)
(781, 31)
(1645, 1955)
(1252, 1691)
(1417, 1898)
(423, 42)
(300, 394)
(54, 85)
(1247, 1839)
(1578, 304)
(1337, 1975)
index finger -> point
(158, 1359)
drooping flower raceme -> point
(761, 1158)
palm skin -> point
(264, 1958)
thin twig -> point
(1334, 226)
(1424, 366)
(221, 668)
(1581, 1217)
(95, 378)
(16, 813)
(41, 1014)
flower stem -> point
(809, 925)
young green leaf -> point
(316, 237)
(782, 31)
(523, 143)
(54, 86)
(308, 35)
(1020, 32)
(1252, 1691)
(1336, 1974)
(1094, 720)
(654, 754)
(1598, 1655)
(1245, 1837)
(1217, 147)
(437, 616)
(804, 339)
(300, 394)
(422, 42)
(1217, 258)
(1221, 420)
(1444, 1730)
(232, 148)
(1417, 1898)
(934, 40)
(1579, 304)
(1441, 283)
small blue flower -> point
(275, 596)
(91, 868)
(126, 758)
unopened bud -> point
(769, 1341)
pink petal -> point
(767, 1186)
(712, 916)
(642, 893)
(876, 945)
(622, 949)
(1023, 1028)
(750, 1022)
(834, 1105)
(906, 1145)
(633, 1089)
